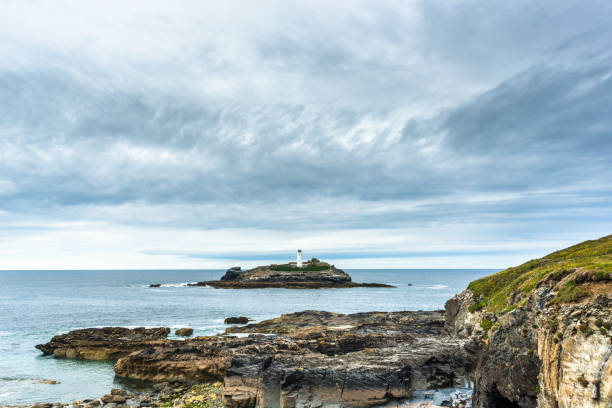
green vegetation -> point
(509, 288)
(586, 329)
(486, 324)
(570, 292)
(290, 268)
(198, 396)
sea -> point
(36, 305)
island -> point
(312, 274)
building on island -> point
(299, 258)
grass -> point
(495, 293)
(290, 268)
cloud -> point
(404, 117)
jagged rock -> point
(155, 285)
(107, 398)
(107, 343)
(372, 357)
(185, 332)
(232, 274)
(236, 320)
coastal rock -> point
(314, 274)
(185, 332)
(107, 343)
(540, 331)
(236, 320)
(360, 359)
(52, 382)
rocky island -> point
(536, 335)
(312, 274)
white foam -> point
(437, 287)
(243, 335)
(172, 285)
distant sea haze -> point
(36, 305)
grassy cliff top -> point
(589, 261)
(292, 268)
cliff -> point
(543, 329)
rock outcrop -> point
(543, 331)
(184, 331)
(313, 275)
(107, 343)
(236, 320)
(309, 358)
(304, 359)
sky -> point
(372, 134)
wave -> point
(172, 285)
(5, 333)
(437, 287)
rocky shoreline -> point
(537, 335)
(363, 359)
(287, 285)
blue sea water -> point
(36, 305)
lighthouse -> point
(299, 258)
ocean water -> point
(36, 305)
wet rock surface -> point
(107, 343)
(236, 320)
(310, 359)
(184, 332)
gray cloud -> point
(407, 116)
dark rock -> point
(155, 285)
(377, 356)
(185, 332)
(160, 386)
(118, 391)
(232, 274)
(107, 343)
(236, 320)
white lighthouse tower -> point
(299, 258)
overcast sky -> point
(372, 134)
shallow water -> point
(36, 305)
